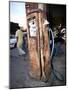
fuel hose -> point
(57, 74)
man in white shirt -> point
(19, 36)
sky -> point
(18, 13)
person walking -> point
(19, 36)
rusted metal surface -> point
(33, 48)
(46, 51)
(38, 47)
(34, 65)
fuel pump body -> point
(38, 46)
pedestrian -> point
(19, 36)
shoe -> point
(23, 53)
(20, 54)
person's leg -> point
(21, 52)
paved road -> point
(19, 73)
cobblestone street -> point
(19, 72)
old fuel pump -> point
(38, 46)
